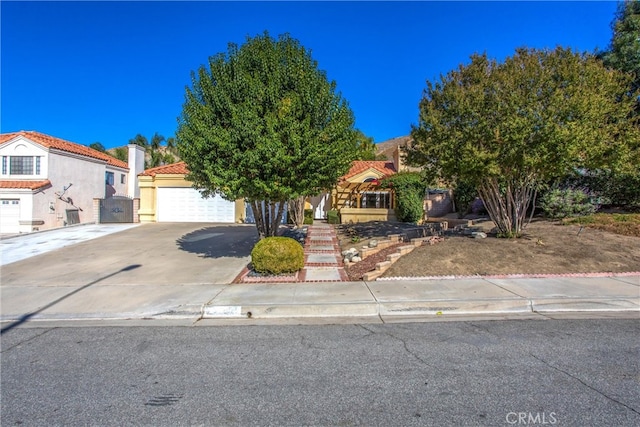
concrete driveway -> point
(149, 254)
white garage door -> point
(9, 215)
(187, 205)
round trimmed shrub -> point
(276, 255)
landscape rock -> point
(356, 259)
(373, 243)
(479, 235)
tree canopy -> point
(507, 128)
(624, 50)
(367, 149)
(261, 122)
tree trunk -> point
(267, 219)
(507, 205)
(296, 210)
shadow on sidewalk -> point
(25, 318)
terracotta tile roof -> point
(179, 168)
(29, 185)
(359, 166)
(62, 145)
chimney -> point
(136, 167)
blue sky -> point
(105, 71)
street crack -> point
(584, 384)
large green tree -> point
(624, 50)
(507, 128)
(261, 122)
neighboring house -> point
(47, 182)
(166, 196)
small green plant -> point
(277, 255)
(308, 216)
(562, 203)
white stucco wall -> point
(24, 147)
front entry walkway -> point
(322, 256)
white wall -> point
(24, 147)
(136, 167)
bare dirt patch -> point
(547, 247)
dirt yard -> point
(547, 247)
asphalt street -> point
(552, 372)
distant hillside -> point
(387, 148)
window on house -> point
(375, 199)
(122, 178)
(109, 178)
(21, 165)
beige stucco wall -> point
(88, 182)
(348, 215)
(148, 195)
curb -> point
(440, 308)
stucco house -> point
(167, 196)
(47, 182)
(359, 198)
(357, 195)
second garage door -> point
(187, 205)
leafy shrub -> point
(561, 203)
(276, 255)
(464, 194)
(409, 208)
(614, 189)
(308, 216)
(409, 188)
(333, 217)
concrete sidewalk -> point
(376, 301)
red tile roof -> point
(29, 185)
(62, 145)
(359, 166)
(179, 168)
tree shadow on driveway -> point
(234, 241)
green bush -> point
(409, 208)
(333, 217)
(613, 189)
(561, 203)
(464, 194)
(308, 216)
(409, 188)
(276, 255)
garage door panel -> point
(9, 215)
(187, 205)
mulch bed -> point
(357, 270)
